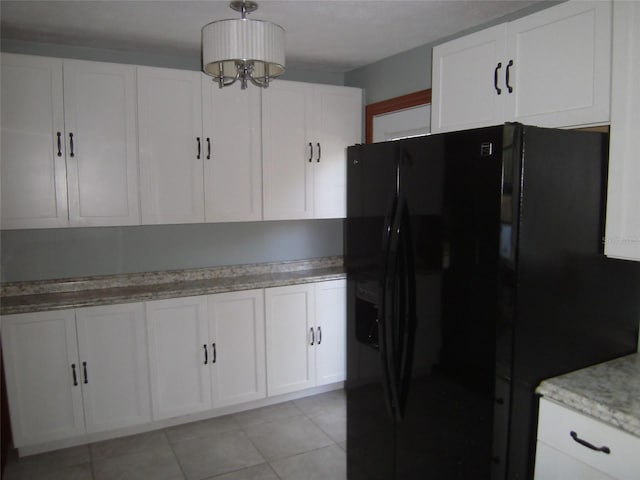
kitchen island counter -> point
(43, 295)
(609, 392)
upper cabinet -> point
(233, 163)
(551, 68)
(306, 129)
(171, 145)
(69, 156)
(101, 144)
(622, 237)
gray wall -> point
(73, 252)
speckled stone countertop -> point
(609, 392)
(23, 297)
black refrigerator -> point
(474, 271)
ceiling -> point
(332, 35)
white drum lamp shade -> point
(242, 48)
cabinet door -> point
(338, 114)
(467, 80)
(331, 330)
(100, 113)
(170, 145)
(33, 172)
(552, 464)
(562, 65)
(236, 334)
(291, 336)
(623, 196)
(178, 356)
(114, 366)
(287, 160)
(232, 152)
(43, 376)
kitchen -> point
(80, 252)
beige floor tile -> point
(322, 464)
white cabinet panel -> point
(103, 172)
(43, 376)
(557, 427)
(465, 94)
(171, 145)
(232, 152)
(338, 113)
(33, 171)
(561, 72)
(100, 113)
(236, 335)
(331, 330)
(178, 356)
(622, 238)
(290, 328)
(113, 356)
(286, 151)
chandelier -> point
(243, 49)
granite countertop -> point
(23, 297)
(609, 392)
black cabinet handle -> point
(84, 369)
(584, 443)
(59, 144)
(75, 376)
(509, 65)
(198, 140)
(206, 354)
(319, 336)
(313, 337)
(495, 78)
(71, 154)
(208, 148)
(215, 353)
(319, 152)
(310, 152)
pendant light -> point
(243, 49)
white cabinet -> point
(572, 445)
(206, 352)
(306, 333)
(232, 150)
(551, 69)
(622, 237)
(62, 382)
(305, 131)
(178, 356)
(170, 145)
(113, 355)
(331, 324)
(82, 150)
(291, 361)
(102, 148)
(236, 337)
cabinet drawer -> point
(555, 427)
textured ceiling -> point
(333, 36)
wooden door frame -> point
(422, 97)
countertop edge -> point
(608, 392)
(185, 287)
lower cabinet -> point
(96, 369)
(572, 445)
(205, 351)
(75, 371)
(306, 331)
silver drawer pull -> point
(582, 442)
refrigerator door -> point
(453, 186)
(371, 204)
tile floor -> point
(303, 439)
